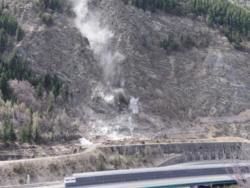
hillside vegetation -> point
(22, 89)
(234, 20)
(71, 70)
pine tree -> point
(47, 83)
(39, 90)
(19, 34)
(3, 40)
(36, 135)
(12, 134)
(24, 135)
(4, 87)
(5, 132)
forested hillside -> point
(115, 69)
(16, 76)
(233, 20)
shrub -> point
(169, 44)
(51, 4)
(47, 18)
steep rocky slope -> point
(207, 79)
(110, 55)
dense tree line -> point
(52, 83)
(8, 133)
(28, 134)
(170, 6)
(234, 20)
(16, 68)
(8, 23)
(8, 29)
(11, 67)
(166, 5)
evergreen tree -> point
(12, 134)
(8, 132)
(19, 34)
(39, 90)
(5, 132)
(4, 87)
(36, 135)
(47, 83)
(3, 40)
(29, 133)
(56, 86)
(24, 135)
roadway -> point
(187, 174)
(192, 173)
(55, 184)
(176, 182)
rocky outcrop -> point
(207, 79)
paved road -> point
(57, 184)
(206, 172)
(156, 175)
(171, 182)
(186, 173)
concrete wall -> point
(186, 151)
